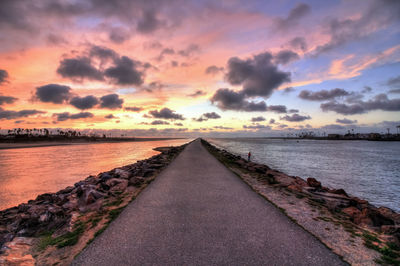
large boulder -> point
(312, 182)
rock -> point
(122, 173)
(91, 196)
(312, 182)
(352, 211)
(66, 190)
(121, 186)
(136, 181)
(104, 177)
(157, 165)
(339, 191)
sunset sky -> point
(217, 68)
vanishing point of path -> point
(197, 212)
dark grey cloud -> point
(166, 113)
(294, 16)
(379, 102)
(258, 75)
(277, 109)
(298, 43)
(149, 22)
(293, 111)
(110, 116)
(207, 116)
(189, 50)
(133, 109)
(53, 93)
(67, 116)
(125, 72)
(394, 91)
(213, 70)
(323, 95)
(7, 99)
(159, 122)
(84, 103)
(272, 121)
(178, 124)
(379, 14)
(174, 63)
(257, 126)
(227, 99)
(79, 68)
(288, 90)
(367, 89)
(3, 74)
(257, 119)
(8, 115)
(222, 127)
(197, 93)
(118, 35)
(102, 52)
(54, 39)
(393, 82)
(282, 126)
(285, 56)
(346, 121)
(295, 118)
(111, 101)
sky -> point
(194, 68)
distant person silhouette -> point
(249, 156)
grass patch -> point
(68, 239)
(95, 221)
(114, 213)
(370, 237)
(116, 202)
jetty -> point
(198, 212)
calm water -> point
(26, 173)
(366, 169)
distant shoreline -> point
(5, 145)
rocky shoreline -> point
(55, 227)
(353, 228)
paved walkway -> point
(197, 212)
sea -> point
(28, 172)
(367, 169)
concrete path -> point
(197, 212)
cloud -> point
(346, 121)
(379, 14)
(133, 109)
(258, 75)
(323, 94)
(366, 89)
(277, 109)
(166, 113)
(125, 72)
(178, 124)
(102, 52)
(227, 99)
(66, 116)
(288, 90)
(3, 76)
(118, 35)
(295, 14)
(285, 56)
(5, 114)
(84, 103)
(189, 50)
(213, 70)
(159, 122)
(149, 22)
(298, 43)
(53, 93)
(152, 86)
(206, 116)
(79, 68)
(394, 91)
(272, 121)
(7, 99)
(111, 101)
(379, 102)
(393, 82)
(295, 118)
(257, 119)
(222, 127)
(257, 126)
(197, 93)
(110, 116)
(282, 126)
(333, 127)
(293, 111)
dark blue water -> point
(366, 169)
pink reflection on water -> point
(28, 172)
